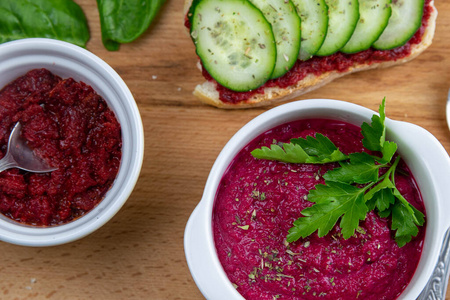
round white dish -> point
(425, 156)
(67, 60)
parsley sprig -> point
(353, 189)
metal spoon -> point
(19, 155)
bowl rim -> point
(198, 239)
(59, 56)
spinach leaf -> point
(57, 19)
(124, 21)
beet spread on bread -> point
(257, 52)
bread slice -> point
(208, 93)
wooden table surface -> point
(139, 254)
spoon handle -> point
(437, 284)
(7, 162)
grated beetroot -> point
(71, 127)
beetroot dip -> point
(257, 202)
(71, 127)
(317, 65)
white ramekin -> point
(67, 60)
(427, 159)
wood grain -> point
(139, 254)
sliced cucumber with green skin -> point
(286, 27)
(314, 19)
(405, 20)
(373, 19)
(234, 42)
(343, 16)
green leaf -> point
(375, 134)
(381, 200)
(318, 146)
(311, 150)
(332, 201)
(289, 153)
(388, 151)
(416, 216)
(320, 149)
(419, 216)
(323, 159)
(385, 213)
(124, 21)
(360, 169)
(385, 183)
(55, 19)
(404, 225)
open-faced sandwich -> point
(257, 52)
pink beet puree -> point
(257, 202)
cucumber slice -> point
(234, 42)
(343, 16)
(314, 19)
(286, 27)
(405, 20)
(373, 19)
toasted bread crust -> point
(208, 93)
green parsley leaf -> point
(354, 188)
(403, 223)
(382, 200)
(385, 213)
(416, 216)
(318, 150)
(388, 151)
(385, 183)
(289, 153)
(375, 135)
(332, 201)
(360, 169)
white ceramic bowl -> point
(427, 159)
(68, 60)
